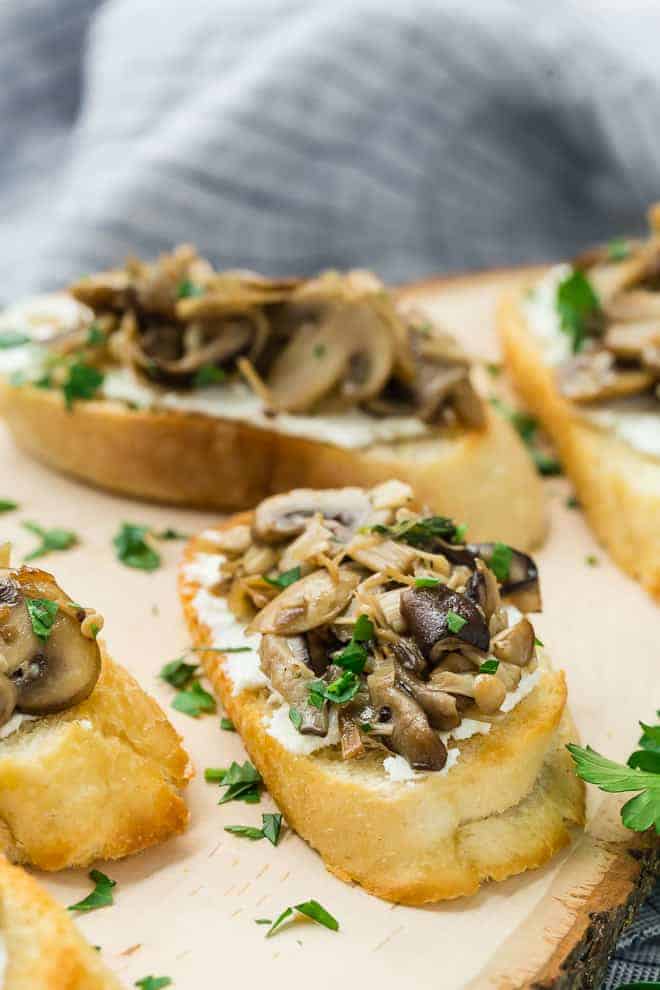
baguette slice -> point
(504, 808)
(98, 781)
(484, 478)
(618, 486)
(43, 949)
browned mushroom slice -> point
(312, 601)
(593, 376)
(106, 290)
(607, 280)
(233, 292)
(411, 735)
(438, 705)
(51, 671)
(516, 644)
(482, 589)
(520, 586)
(383, 555)
(285, 662)
(282, 517)
(439, 619)
(630, 340)
(635, 305)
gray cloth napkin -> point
(410, 137)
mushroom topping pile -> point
(49, 657)
(329, 343)
(379, 619)
(610, 306)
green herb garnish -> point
(354, 655)
(421, 532)
(12, 338)
(489, 666)
(285, 579)
(51, 539)
(618, 249)
(537, 642)
(95, 336)
(455, 622)
(500, 561)
(83, 382)
(242, 783)
(153, 982)
(527, 426)
(592, 560)
(42, 612)
(227, 724)
(578, 307)
(194, 700)
(494, 370)
(100, 897)
(171, 534)
(214, 775)
(546, 464)
(246, 831)
(426, 582)
(187, 289)
(6, 505)
(319, 350)
(296, 718)
(133, 549)
(272, 826)
(178, 673)
(310, 909)
(339, 691)
(572, 502)
(209, 374)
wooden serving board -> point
(187, 909)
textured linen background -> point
(411, 137)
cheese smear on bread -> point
(636, 420)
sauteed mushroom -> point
(313, 601)
(593, 376)
(285, 662)
(520, 586)
(427, 615)
(411, 736)
(279, 518)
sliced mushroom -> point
(409, 656)
(516, 644)
(281, 517)
(411, 736)
(312, 601)
(383, 554)
(426, 612)
(52, 673)
(439, 706)
(482, 589)
(521, 585)
(594, 377)
(634, 306)
(390, 605)
(285, 662)
(489, 693)
(629, 340)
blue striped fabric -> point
(289, 135)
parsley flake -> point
(95, 336)
(572, 502)
(153, 982)
(242, 782)
(83, 381)
(100, 897)
(178, 673)
(7, 504)
(227, 724)
(422, 532)
(246, 831)
(500, 561)
(42, 612)
(171, 534)
(578, 308)
(133, 550)
(319, 350)
(592, 560)
(537, 642)
(618, 249)
(285, 579)
(339, 692)
(354, 655)
(51, 539)
(187, 289)
(310, 909)
(194, 700)
(270, 829)
(209, 374)
(455, 622)
(296, 718)
(426, 582)
(489, 666)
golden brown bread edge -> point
(433, 840)
(618, 487)
(101, 780)
(484, 478)
(44, 949)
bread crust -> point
(44, 949)
(482, 477)
(101, 780)
(618, 487)
(439, 837)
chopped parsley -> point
(641, 774)
(209, 374)
(134, 550)
(153, 982)
(339, 692)
(95, 336)
(538, 642)
(270, 829)
(7, 505)
(100, 897)
(187, 289)
(578, 307)
(592, 560)
(426, 582)
(82, 382)
(527, 426)
(455, 622)
(214, 775)
(618, 249)
(489, 666)
(12, 338)
(42, 612)
(494, 370)
(178, 673)
(319, 350)
(171, 534)
(310, 909)
(296, 718)
(572, 502)
(227, 724)
(354, 655)
(194, 700)
(285, 579)
(500, 561)
(422, 532)
(51, 539)
(242, 783)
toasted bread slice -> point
(618, 487)
(485, 477)
(503, 808)
(98, 781)
(42, 948)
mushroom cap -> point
(426, 612)
(309, 602)
(283, 516)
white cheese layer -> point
(243, 670)
(635, 420)
(14, 723)
(44, 316)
